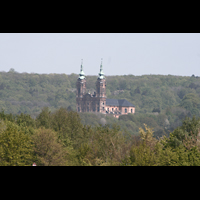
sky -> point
(122, 53)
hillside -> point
(162, 102)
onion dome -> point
(82, 74)
(101, 74)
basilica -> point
(97, 102)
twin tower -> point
(86, 102)
(97, 102)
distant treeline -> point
(162, 101)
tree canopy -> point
(162, 101)
(60, 138)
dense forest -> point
(38, 121)
(161, 101)
(60, 139)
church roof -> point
(118, 102)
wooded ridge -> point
(161, 101)
(39, 124)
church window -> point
(125, 110)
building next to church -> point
(97, 102)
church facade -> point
(97, 102)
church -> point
(97, 102)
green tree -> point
(152, 152)
(44, 118)
(191, 102)
(48, 151)
(25, 120)
(108, 146)
(189, 128)
(68, 124)
(143, 154)
(12, 70)
(16, 147)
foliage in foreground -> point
(179, 149)
(60, 139)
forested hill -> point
(162, 102)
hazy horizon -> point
(138, 54)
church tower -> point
(101, 91)
(81, 90)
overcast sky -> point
(122, 53)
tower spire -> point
(101, 74)
(82, 74)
